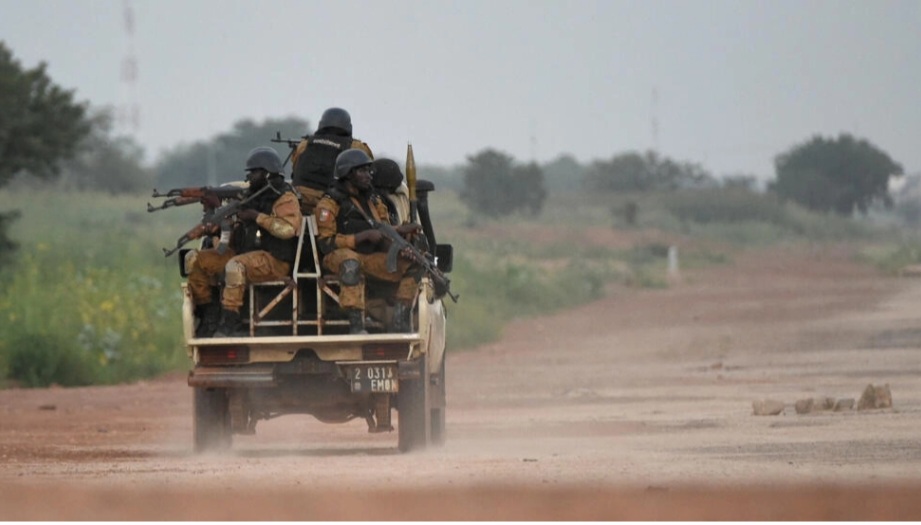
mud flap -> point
(414, 405)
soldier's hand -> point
(372, 236)
(211, 201)
(408, 229)
(247, 214)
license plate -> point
(373, 378)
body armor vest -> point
(391, 209)
(250, 236)
(315, 166)
(350, 219)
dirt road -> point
(638, 406)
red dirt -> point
(636, 407)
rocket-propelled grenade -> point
(411, 181)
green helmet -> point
(264, 158)
(350, 159)
(336, 118)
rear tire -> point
(413, 423)
(211, 425)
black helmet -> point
(336, 118)
(350, 159)
(387, 174)
(264, 158)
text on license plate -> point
(373, 378)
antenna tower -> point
(533, 141)
(129, 114)
(654, 118)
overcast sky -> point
(727, 84)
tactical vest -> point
(391, 208)
(350, 220)
(315, 166)
(250, 236)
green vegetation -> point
(496, 186)
(893, 256)
(842, 175)
(40, 122)
(221, 158)
(90, 299)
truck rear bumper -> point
(251, 376)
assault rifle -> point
(399, 245)
(292, 144)
(214, 218)
(192, 194)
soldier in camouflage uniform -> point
(314, 158)
(388, 181)
(354, 249)
(276, 217)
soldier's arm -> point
(328, 236)
(285, 220)
(357, 144)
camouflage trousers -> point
(252, 267)
(372, 265)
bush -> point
(891, 258)
(40, 360)
(724, 205)
(90, 298)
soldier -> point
(354, 249)
(261, 247)
(388, 181)
(315, 157)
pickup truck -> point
(299, 359)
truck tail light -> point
(221, 355)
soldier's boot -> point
(231, 325)
(402, 321)
(209, 316)
(356, 321)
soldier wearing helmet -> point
(388, 181)
(258, 246)
(354, 249)
(314, 158)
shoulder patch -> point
(325, 215)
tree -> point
(221, 159)
(633, 171)
(741, 182)
(40, 125)
(835, 175)
(450, 177)
(106, 162)
(564, 173)
(529, 183)
(495, 186)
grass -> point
(90, 298)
